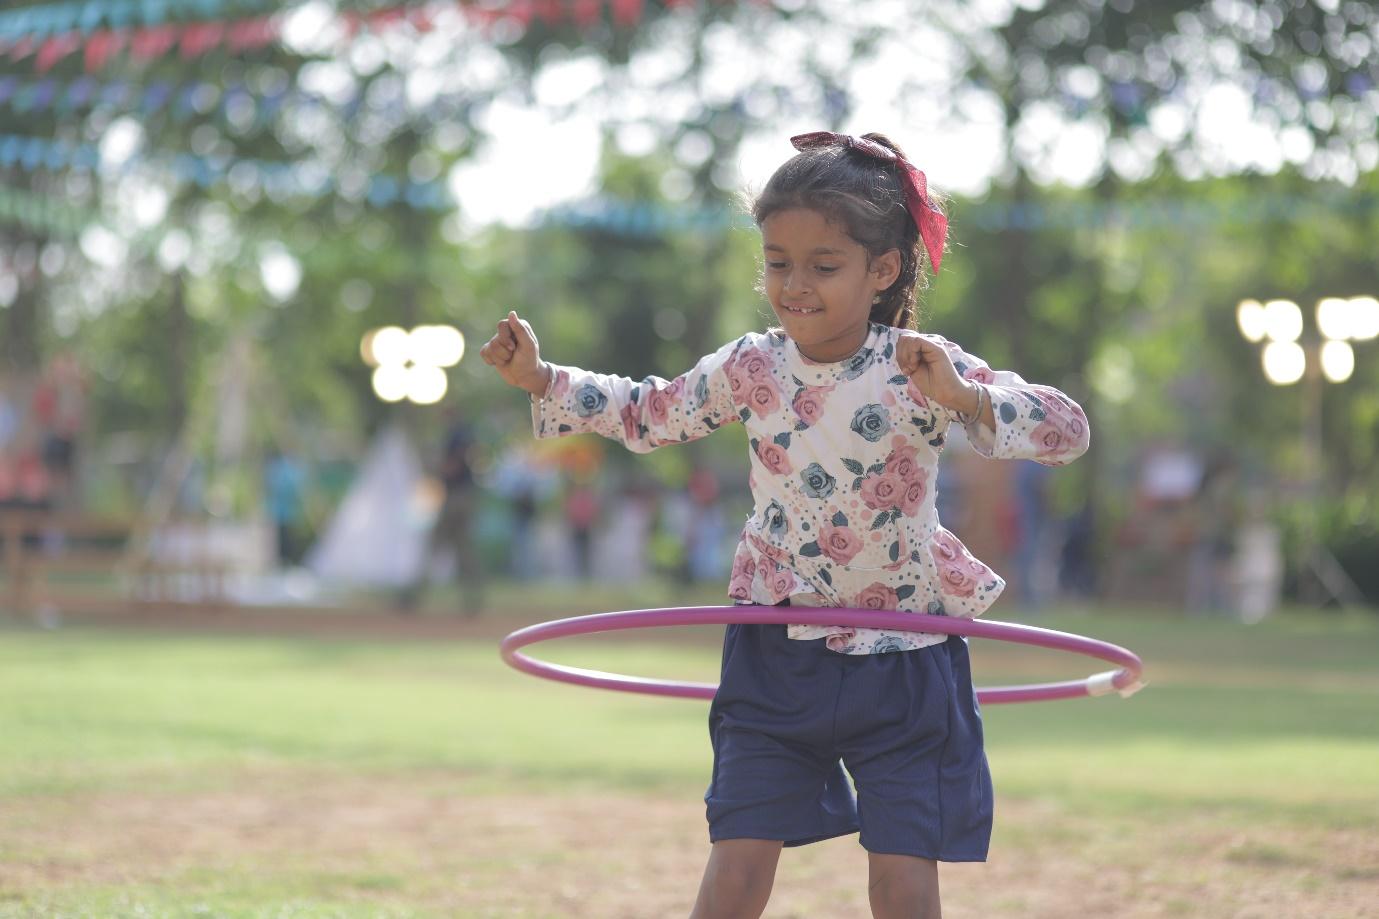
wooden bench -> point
(60, 561)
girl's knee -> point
(903, 886)
(738, 879)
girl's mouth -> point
(801, 310)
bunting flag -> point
(59, 219)
(182, 100)
(149, 29)
(286, 179)
(649, 219)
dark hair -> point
(866, 197)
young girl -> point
(846, 411)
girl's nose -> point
(795, 283)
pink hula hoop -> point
(1124, 681)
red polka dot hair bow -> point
(932, 224)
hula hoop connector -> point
(1103, 684)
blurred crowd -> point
(41, 423)
(1196, 536)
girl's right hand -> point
(517, 356)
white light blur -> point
(1249, 316)
(1334, 318)
(426, 385)
(1283, 320)
(390, 382)
(102, 246)
(1284, 362)
(120, 141)
(1364, 320)
(436, 345)
(174, 250)
(391, 346)
(280, 270)
(1338, 361)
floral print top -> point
(843, 463)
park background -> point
(214, 700)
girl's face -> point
(819, 282)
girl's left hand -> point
(932, 370)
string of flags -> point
(181, 101)
(148, 29)
(303, 178)
(648, 219)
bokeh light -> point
(1338, 361)
(1284, 362)
(1249, 316)
(1282, 320)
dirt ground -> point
(434, 844)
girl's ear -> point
(886, 268)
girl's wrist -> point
(542, 382)
(970, 405)
(968, 399)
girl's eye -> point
(775, 266)
(826, 269)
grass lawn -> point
(152, 773)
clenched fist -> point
(513, 350)
(931, 368)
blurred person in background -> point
(59, 404)
(1210, 578)
(284, 484)
(452, 533)
(581, 514)
(1035, 559)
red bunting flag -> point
(55, 49)
(22, 48)
(200, 37)
(101, 47)
(586, 12)
(150, 43)
(248, 34)
(627, 12)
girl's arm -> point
(1019, 420)
(642, 416)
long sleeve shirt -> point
(843, 458)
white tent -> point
(378, 536)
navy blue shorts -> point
(790, 715)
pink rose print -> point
(780, 582)
(980, 375)
(877, 596)
(740, 584)
(631, 420)
(757, 365)
(562, 383)
(738, 382)
(774, 458)
(839, 543)
(809, 404)
(913, 497)
(1048, 440)
(945, 547)
(674, 388)
(956, 581)
(763, 398)
(882, 492)
(915, 395)
(903, 461)
(658, 406)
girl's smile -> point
(820, 282)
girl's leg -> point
(738, 878)
(903, 887)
